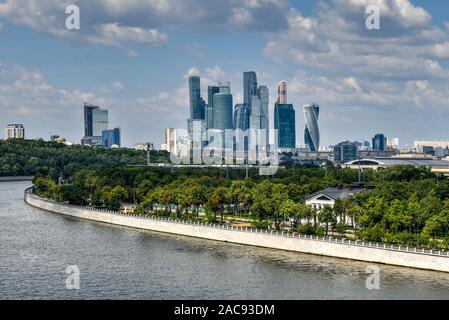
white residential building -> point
(393, 143)
(14, 131)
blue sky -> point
(133, 58)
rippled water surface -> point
(121, 263)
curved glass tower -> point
(222, 111)
(312, 132)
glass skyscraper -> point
(284, 122)
(95, 121)
(379, 142)
(197, 104)
(249, 87)
(222, 110)
(241, 117)
(211, 90)
(111, 138)
(311, 131)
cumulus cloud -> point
(25, 94)
(392, 78)
(110, 22)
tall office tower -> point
(196, 139)
(197, 104)
(211, 90)
(264, 97)
(284, 122)
(311, 131)
(241, 117)
(14, 131)
(345, 151)
(222, 109)
(282, 92)
(111, 138)
(95, 121)
(379, 142)
(263, 94)
(255, 115)
(249, 87)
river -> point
(122, 263)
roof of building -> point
(338, 193)
(416, 162)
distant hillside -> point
(29, 157)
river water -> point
(122, 263)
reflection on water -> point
(122, 263)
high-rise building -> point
(222, 109)
(241, 117)
(95, 122)
(345, 151)
(284, 123)
(249, 87)
(14, 131)
(211, 90)
(282, 92)
(379, 142)
(111, 138)
(263, 94)
(311, 131)
(197, 104)
(255, 115)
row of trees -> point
(408, 205)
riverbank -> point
(332, 247)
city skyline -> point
(389, 85)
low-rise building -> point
(328, 196)
(436, 166)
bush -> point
(320, 231)
(340, 228)
(374, 234)
(264, 224)
(306, 229)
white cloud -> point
(118, 86)
(390, 79)
(132, 53)
(112, 34)
(111, 22)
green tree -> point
(327, 216)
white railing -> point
(341, 241)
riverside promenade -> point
(325, 246)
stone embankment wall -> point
(355, 250)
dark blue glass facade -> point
(379, 142)
(111, 137)
(197, 104)
(249, 87)
(284, 122)
(88, 121)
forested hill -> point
(29, 157)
